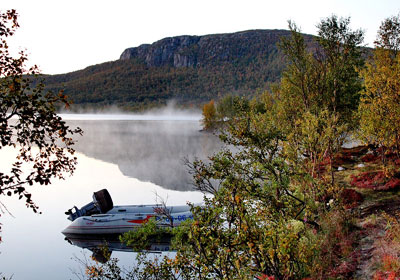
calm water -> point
(135, 158)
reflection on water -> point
(102, 247)
(151, 151)
(122, 156)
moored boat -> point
(101, 217)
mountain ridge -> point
(191, 50)
(189, 69)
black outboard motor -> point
(102, 203)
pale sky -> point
(64, 36)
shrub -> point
(351, 198)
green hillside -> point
(188, 69)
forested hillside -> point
(188, 69)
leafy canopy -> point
(380, 100)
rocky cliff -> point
(193, 51)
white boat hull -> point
(121, 219)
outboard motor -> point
(102, 203)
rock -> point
(192, 51)
(340, 168)
(360, 165)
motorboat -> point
(101, 217)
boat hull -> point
(122, 219)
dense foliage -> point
(215, 116)
(380, 100)
(318, 95)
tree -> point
(340, 55)
(29, 123)
(388, 36)
(326, 77)
(230, 105)
(209, 115)
(318, 94)
(254, 223)
(380, 100)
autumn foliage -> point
(380, 100)
(209, 115)
(274, 208)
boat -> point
(101, 217)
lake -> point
(137, 158)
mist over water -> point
(149, 147)
(130, 117)
(167, 113)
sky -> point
(65, 36)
